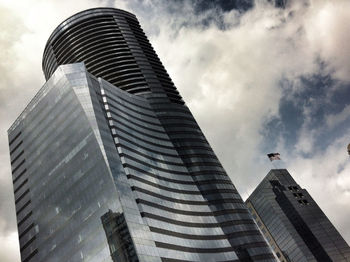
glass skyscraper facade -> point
(109, 164)
(293, 223)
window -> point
(303, 202)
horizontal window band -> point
(205, 237)
(128, 82)
(23, 207)
(255, 258)
(143, 147)
(139, 90)
(18, 166)
(127, 69)
(127, 101)
(190, 144)
(76, 29)
(141, 139)
(21, 185)
(28, 243)
(204, 172)
(26, 230)
(17, 157)
(132, 84)
(188, 202)
(177, 101)
(89, 33)
(209, 250)
(153, 166)
(198, 225)
(195, 132)
(163, 106)
(19, 176)
(126, 110)
(138, 131)
(112, 40)
(190, 155)
(98, 66)
(81, 53)
(163, 103)
(178, 114)
(102, 62)
(169, 125)
(137, 124)
(172, 109)
(201, 182)
(31, 256)
(192, 213)
(166, 117)
(16, 147)
(186, 147)
(127, 107)
(166, 259)
(22, 196)
(127, 165)
(14, 139)
(84, 24)
(190, 192)
(25, 218)
(181, 129)
(152, 158)
(202, 163)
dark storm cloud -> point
(198, 13)
(317, 96)
(224, 5)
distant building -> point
(293, 223)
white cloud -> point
(327, 28)
(230, 80)
(9, 247)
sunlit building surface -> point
(293, 223)
(109, 164)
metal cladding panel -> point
(192, 215)
(66, 184)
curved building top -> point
(114, 47)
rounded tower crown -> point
(114, 47)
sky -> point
(259, 77)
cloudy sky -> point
(258, 78)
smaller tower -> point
(293, 223)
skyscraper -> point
(109, 164)
(293, 223)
